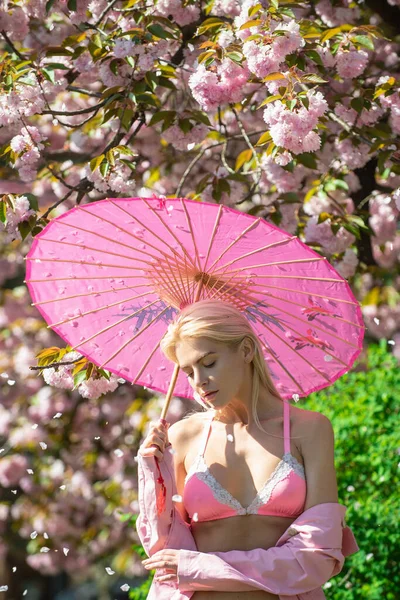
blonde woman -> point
(245, 469)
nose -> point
(200, 379)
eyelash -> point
(189, 375)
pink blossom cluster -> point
(226, 8)
(347, 266)
(146, 54)
(117, 179)
(351, 63)
(365, 117)
(396, 196)
(332, 15)
(265, 56)
(185, 141)
(321, 233)
(14, 22)
(384, 217)
(238, 190)
(12, 468)
(352, 156)
(22, 101)
(273, 174)
(219, 84)
(27, 146)
(182, 15)
(331, 204)
(94, 388)
(293, 129)
(21, 211)
(243, 17)
(381, 321)
(392, 102)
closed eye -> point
(190, 375)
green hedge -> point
(364, 413)
(363, 408)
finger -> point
(152, 452)
(172, 577)
(160, 564)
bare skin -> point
(241, 466)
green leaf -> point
(49, 75)
(363, 40)
(161, 116)
(159, 32)
(96, 162)
(357, 104)
(79, 378)
(72, 5)
(307, 159)
(3, 211)
(315, 57)
(104, 168)
(49, 5)
(24, 229)
(263, 139)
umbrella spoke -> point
(280, 262)
(92, 264)
(89, 339)
(134, 337)
(311, 324)
(95, 310)
(293, 350)
(113, 240)
(275, 287)
(310, 308)
(235, 241)
(189, 222)
(148, 359)
(252, 252)
(167, 283)
(169, 230)
(86, 294)
(73, 278)
(129, 232)
(214, 231)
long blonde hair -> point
(220, 322)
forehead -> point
(188, 351)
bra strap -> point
(286, 426)
(206, 434)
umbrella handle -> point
(169, 393)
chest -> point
(240, 461)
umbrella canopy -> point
(108, 277)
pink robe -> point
(307, 555)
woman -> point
(247, 467)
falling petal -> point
(195, 517)
(62, 487)
(57, 415)
(327, 358)
(43, 445)
(176, 498)
(35, 426)
(44, 549)
(33, 535)
(110, 571)
(376, 320)
(29, 471)
(66, 550)
(125, 587)
(229, 437)
(14, 491)
(46, 536)
(14, 569)
(392, 342)
(118, 452)
(3, 588)
(296, 397)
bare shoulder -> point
(186, 430)
(309, 428)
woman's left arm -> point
(308, 554)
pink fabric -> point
(283, 494)
(111, 275)
(309, 553)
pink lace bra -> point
(283, 494)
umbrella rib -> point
(130, 234)
(111, 326)
(90, 312)
(281, 262)
(146, 362)
(145, 226)
(279, 362)
(85, 262)
(294, 350)
(330, 279)
(310, 307)
(134, 337)
(127, 231)
(312, 325)
(168, 229)
(191, 234)
(278, 243)
(217, 220)
(108, 252)
(243, 233)
(130, 287)
(275, 287)
(70, 278)
(168, 279)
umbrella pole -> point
(176, 368)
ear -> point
(247, 349)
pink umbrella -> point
(109, 277)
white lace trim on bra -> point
(281, 471)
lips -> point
(209, 394)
